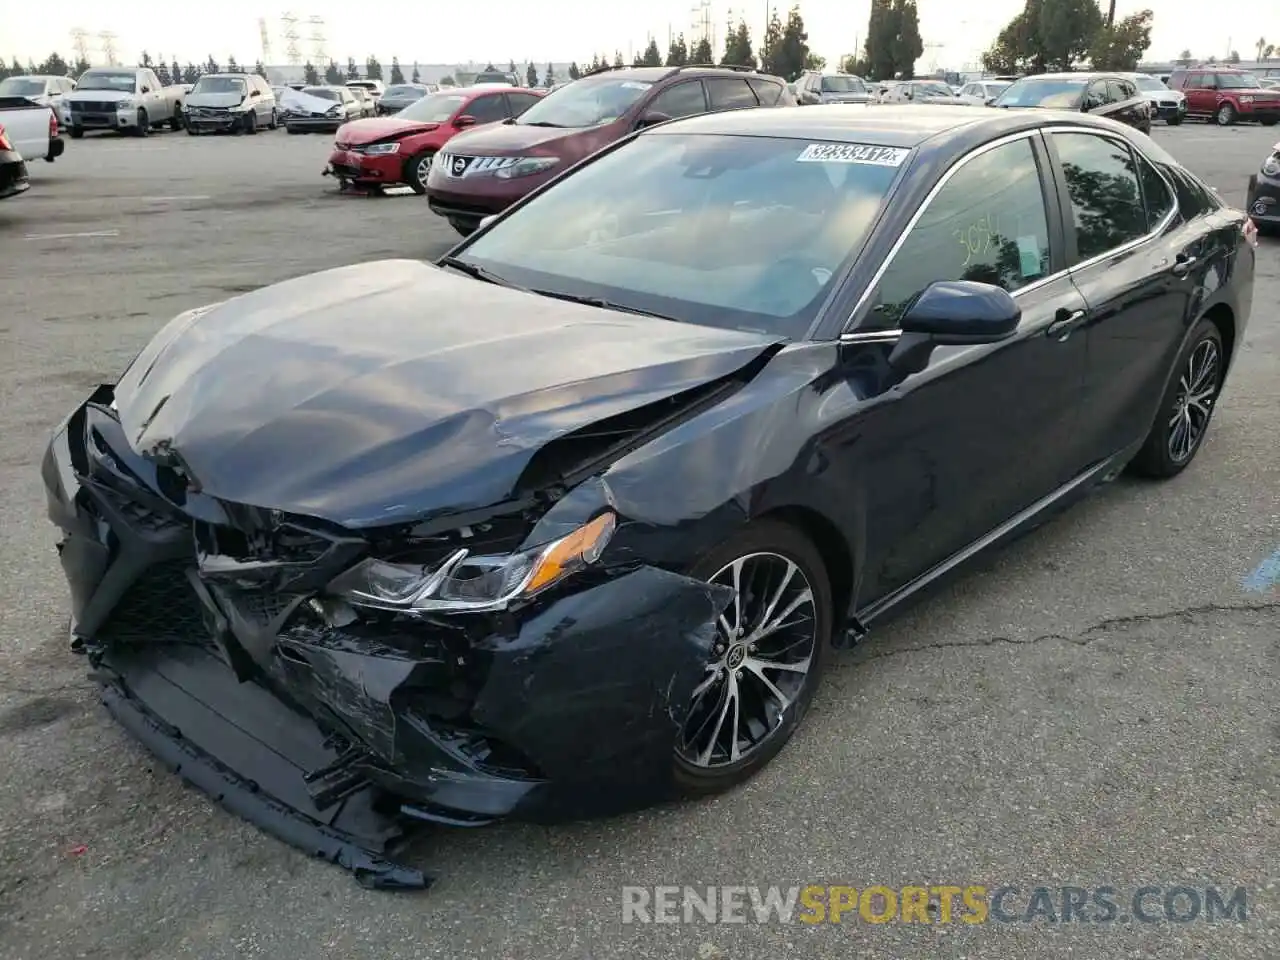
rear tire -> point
(1174, 121)
(1188, 404)
(699, 771)
(77, 133)
(175, 122)
(293, 130)
(416, 170)
(275, 119)
(1269, 122)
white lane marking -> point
(72, 236)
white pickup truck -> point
(121, 98)
(32, 128)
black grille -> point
(160, 607)
(92, 106)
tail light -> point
(53, 124)
(4, 141)
(1250, 230)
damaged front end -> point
(336, 686)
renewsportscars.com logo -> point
(933, 904)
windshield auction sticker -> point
(853, 153)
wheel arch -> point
(1222, 317)
(831, 545)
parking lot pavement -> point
(1094, 705)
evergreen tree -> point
(574, 72)
(353, 72)
(549, 77)
(737, 47)
(211, 66)
(701, 52)
(372, 68)
(333, 73)
(190, 73)
(652, 55)
(232, 66)
(678, 53)
(310, 75)
(511, 68)
(175, 71)
(771, 46)
(908, 46)
(162, 73)
(531, 76)
(397, 75)
(55, 66)
(260, 69)
(145, 61)
(417, 77)
(794, 54)
(617, 60)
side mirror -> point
(466, 120)
(651, 118)
(953, 313)
(146, 89)
(254, 93)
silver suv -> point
(816, 87)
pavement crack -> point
(1086, 636)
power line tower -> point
(107, 40)
(319, 46)
(701, 28)
(80, 44)
(289, 27)
(266, 40)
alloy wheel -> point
(765, 645)
(424, 169)
(1193, 403)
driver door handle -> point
(1183, 263)
(1064, 322)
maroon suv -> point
(1226, 96)
(482, 172)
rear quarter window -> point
(766, 91)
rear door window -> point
(1106, 198)
(1157, 198)
(729, 93)
(766, 92)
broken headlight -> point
(464, 583)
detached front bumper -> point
(314, 124)
(1263, 200)
(338, 739)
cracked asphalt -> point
(1093, 705)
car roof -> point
(229, 73)
(1079, 75)
(945, 128)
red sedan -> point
(384, 151)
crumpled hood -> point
(380, 128)
(496, 139)
(388, 391)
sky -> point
(556, 30)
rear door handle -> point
(1183, 263)
(1065, 321)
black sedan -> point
(1101, 94)
(399, 96)
(13, 170)
(572, 520)
(1263, 203)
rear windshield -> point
(403, 93)
(324, 93)
(361, 85)
(1052, 94)
(1149, 83)
(436, 108)
(743, 232)
(588, 102)
(488, 77)
(21, 87)
(843, 85)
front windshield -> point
(436, 108)
(742, 232)
(324, 93)
(995, 89)
(492, 77)
(107, 80)
(588, 102)
(1149, 83)
(403, 93)
(20, 87)
(219, 85)
(936, 90)
(1237, 81)
(1052, 94)
(842, 85)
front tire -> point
(77, 133)
(251, 123)
(771, 645)
(1187, 407)
(416, 171)
(1174, 121)
(144, 125)
(275, 119)
(1269, 122)
(1225, 116)
(175, 122)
